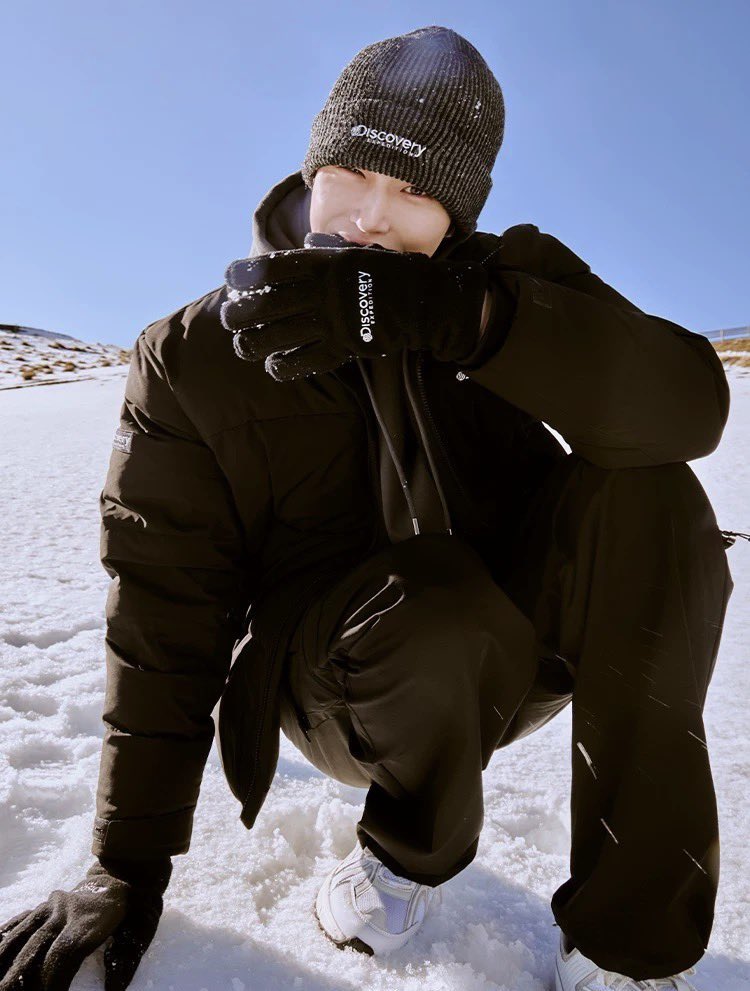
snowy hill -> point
(29, 356)
(238, 910)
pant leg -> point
(408, 673)
(631, 595)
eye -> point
(420, 193)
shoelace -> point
(369, 899)
(367, 861)
(620, 982)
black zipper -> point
(438, 437)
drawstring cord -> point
(425, 442)
(728, 536)
(392, 451)
(389, 442)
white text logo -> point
(366, 313)
(388, 140)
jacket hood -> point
(282, 218)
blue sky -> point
(138, 138)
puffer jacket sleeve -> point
(173, 544)
(623, 387)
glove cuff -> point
(502, 310)
(152, 873)
(457, 313)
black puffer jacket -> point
(231, 498)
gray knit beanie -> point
(423, 107)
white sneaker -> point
(575, 972)
(364, 905)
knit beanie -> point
(423, 107)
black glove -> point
(311, 309)
(122, 900)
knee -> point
(668, 494)
(457, 645)
(656, 484)
(415, 640)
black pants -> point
(409, 674)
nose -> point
(371, 214)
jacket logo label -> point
(123, 440)
(366, 310)
(388, 140)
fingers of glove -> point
(63, 960)
(274, 302)
(122, 959)
(303, 264)
(85, 929)
(319, 239)
(303, 361)
(12, 923)
(21, 969)
(17, 931)
(278, 266)
(120, 965)
(256, 343)
(130, 941)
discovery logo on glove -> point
(366, 308)
(308, 310)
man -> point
(333, 504)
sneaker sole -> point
(558, 982)
(355, 942)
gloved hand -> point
(43, 948)
(311, 309)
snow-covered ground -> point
(30, 357)
(238, 911)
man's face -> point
(369, 206)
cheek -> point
(426, 233)
(330, 205)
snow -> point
(238, 910)
(30, 357)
